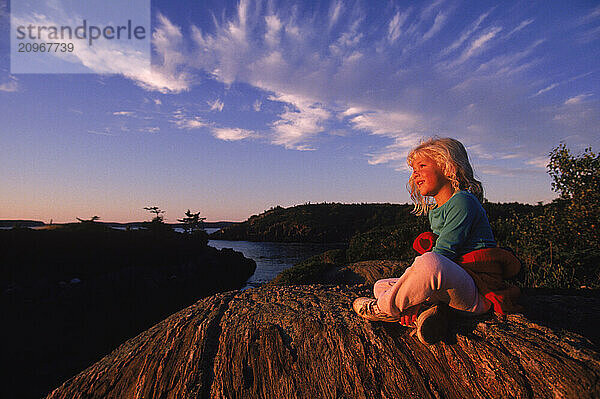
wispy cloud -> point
(591, 16)
(301, 121)
(404, 128)
(320, 73)
(105, 132)
(192, 123)
(273, 33)
(395, 154)
(466, 34)
(438, 23)
(587, 27)
(579, 114)
(11, 86)
(521, 26)
(510, 63)
(545, 89)
(150, 129)
(391, 124)
(348, 40)
(432, 7)
(334, 12)
(590, 35)
(216, 105)
(227, 50)
(334, 72)
(395, 25)
(539, 162)
(389, 156)
(577, 99)
(183, 121)
(556, 84)
(232, 134)
(492, 162)
(124, 113)
(507, 171)
(477, 45)
(168, 75)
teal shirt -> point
(462, 226)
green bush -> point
(577, 179)
(553, 251)
(389, 242)
(558, 242)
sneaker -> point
(432, 324)
(367, 308)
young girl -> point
(464, 269)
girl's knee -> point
(385, 283)
(429, 262)
(381, 286)
(442, 272)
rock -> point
(305, 342)
(369, 271)
(317, 270)
(56, 324)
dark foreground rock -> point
(305, 342)
(67, 298)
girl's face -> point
(429, 178)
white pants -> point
(431, 278)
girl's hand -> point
(409, 316)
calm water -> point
(273, 257)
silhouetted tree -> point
(157, 224)
(192, 222)
(90, 220)
(159, 218)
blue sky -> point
(255, 104)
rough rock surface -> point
(369, 271)
(305, 341)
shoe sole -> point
(432, 324)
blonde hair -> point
(451, 157)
